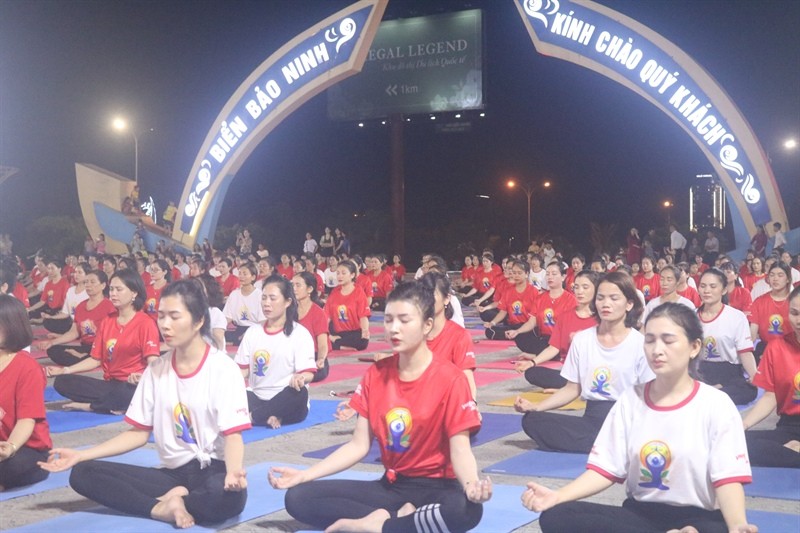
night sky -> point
(68, 67)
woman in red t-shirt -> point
(515, 305)
(648, 281)
(420, 410)
(397, 269)
(769, 314)
(53, 294)
(124, 345)
(24, 433)
(757, 273)
(312, 317)
(483, 283)
(160, 276)
(88, 316)
(348, 310)
(738, 297)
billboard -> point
(419, 65)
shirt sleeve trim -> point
(607, 475)
(137, 425)
(310, 370)
(738, 479)
(237, 429)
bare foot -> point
(76, 406)
(407, 509)
(173, 511)
(793, 445)
(274, 422)
(176, 491)
(372, 523)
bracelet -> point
(13, 453)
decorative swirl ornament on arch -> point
(624, 50)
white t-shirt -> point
(538, 279)
(189, 415)
(605, 373)
(655, 302)
(274, 358)
(71, 301)
(244, 310)
(726, 336)
(183, 269)
(458, 313)
(329, 277)
(674, 455)
(760, 288)
(677, 241)
(218, 320)
(309, 246)
(780, 239)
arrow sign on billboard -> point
(391, 90)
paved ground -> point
(289, 447)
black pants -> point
(235, 336)
(498, 332)
(546, 378)
(101, 395)
(21, 469)
(489, 314)
(441, 503)
(58, 354)
(321, 373)
(632, 517)
(289, 405)
(530, 342)
(57, 325)
(766, 448)
(731, 377)
(43, 312)
(378, 304)
(565, 433)
(467, 300)
(350, 339)
(135, 489)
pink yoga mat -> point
(505, 364)
(340, 372)
(487, 378)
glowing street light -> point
(528, 188)
(790, 144)
(121, 125)
(668, 205)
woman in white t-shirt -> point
(243, 306)
(277, 359)
(676, 443)
(216, 301)
(192, 400)
(601, 363)
(669, 277)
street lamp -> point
(528, 188)
(120, 124)
(790, 144)
(669, 205)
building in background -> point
(707, 204)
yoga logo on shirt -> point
(374, 287)
(88, 328)
(486, 283)
(646, 291)
(341, 312)
(601, 381)
(243, 313)
(775, 325)
(260, 362)
(50, 296)
(150, 306)
(398, 420)
(110, 345)
(655, 458)
(549, 317)
(710, 344)
(796, 393)
(516, 308)
(183, 424)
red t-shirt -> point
(68, 272)
(123, 350)
(176, 273)
(152, 301)
(568, 325)
(37, 276)
(569, 280)
(146, 278)
(397, 271)
(21, 294)
(380, 284)
(519, 306)
(414, 420)
(779, 372)
(230, 284)
(740, 299)
(771, 317)
(750, 279)
(649, 287)
(22, 386)
(483, 281)
(549, 311)
(55, 293)
(454, 344)
(316, 322)
(320, 283)
(364, 283)
(467, 273)
(88, 320)
(285, 271)
(345, 312)
(690, 293)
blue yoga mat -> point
(780, 483)
(139, 457)
(321, 412)
(544, 464)
(61, 421)
(503, 512)
(774, 522)
(495, 426)
(747, 406)
(50, 395)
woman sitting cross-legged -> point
(676, 443)
(193, 402)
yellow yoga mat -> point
(537, 397)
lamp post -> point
(120, 124)
(668, 205)
(528, 188)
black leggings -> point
(58, 353)
(546, 378)
(134, 489)
(378, 304)
(498, 332)
(441, 503)
(350, 339)
(321, 373)
(467, 300)
(235, 336)
(632, 517)
(57, 325)
(532, 343)
(101, 395)
(289, 405)
(731, 377)
(565, 433)
(21, 469)
(766, 448)
(43, 312)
